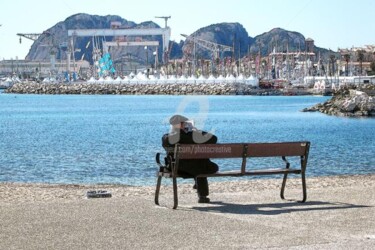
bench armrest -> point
(168, 165)
(157, 159)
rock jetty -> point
(84, 88)
(349, 102)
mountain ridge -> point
(229, 34)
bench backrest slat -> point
(237, 150)
(203, 151)
(277, 149)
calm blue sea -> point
(113, 139)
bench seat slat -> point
(217, 174)
(254, 172)
(223, 174)
(273, 171)
(238, 173)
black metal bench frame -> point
(236, 150)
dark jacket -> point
(195, 166)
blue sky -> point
(331, 23)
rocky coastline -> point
(356, 102)
(84, 88)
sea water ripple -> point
(113, 139)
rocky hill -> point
(279, 39)
(55, 39)
(282, 40)
(230, 34)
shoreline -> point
(14, 192)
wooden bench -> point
(237, 150)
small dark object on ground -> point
(98, 194)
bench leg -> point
(283, 186)
(303, 187)
(157, 191)
(303, 178)
(175, 197)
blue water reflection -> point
(113, 139)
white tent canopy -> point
(191, 79)
(253, 81)
(230, 79)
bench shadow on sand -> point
(273, 208)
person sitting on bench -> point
(184, 132)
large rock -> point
(348, 102)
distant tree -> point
(360, 58)
(347, 60)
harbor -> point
(122, 55)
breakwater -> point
(349, 102)
(84, 88)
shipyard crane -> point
(35, 36)
(31, 36)
(165, 19)
(215, 48)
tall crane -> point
(31, 36)
(215, 48)
(165, 19)
(53, 47)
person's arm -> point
(165, 141)
(211, 138)
(169, 140)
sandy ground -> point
(243, 214)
